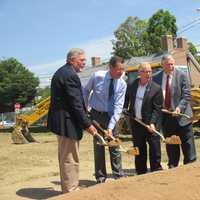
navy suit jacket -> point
(180, 93)
(67, 113)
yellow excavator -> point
(21, 134)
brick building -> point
(183, 57)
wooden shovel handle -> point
(98, 126)
(180, 114)
(155, 131)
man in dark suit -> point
(144, 100)
(177, 97)
(67, 117)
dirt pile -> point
(180, 183)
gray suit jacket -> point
(180, 94)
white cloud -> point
(100, 47)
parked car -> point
(7, 123)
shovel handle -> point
(180, 114)
(155, 131)
(98, 126)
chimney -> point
(182, 43)
(96, 61)
(167, 42)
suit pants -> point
(171, 127)
(99, 151)
(68, 156)
(140, 138)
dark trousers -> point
(99, 151)
(141, 137)
(172, 127)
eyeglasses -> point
(144, 71)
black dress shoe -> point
(101, 181)
(171, 166)
(157, 169)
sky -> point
(39, 33)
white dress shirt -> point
(139, 99)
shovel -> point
(115, 142)
(100, 139)
(173, 113)
(174, 139)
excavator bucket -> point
(17, 136)
(21, 134)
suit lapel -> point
(70, 67)
(134, 91)
(173, 83)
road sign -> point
(17, 107)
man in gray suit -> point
(177, 97)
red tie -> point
(167, 94)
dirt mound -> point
(179, 183)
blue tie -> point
(111, 97)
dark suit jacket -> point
(180, 94)
(152, 102)
(67, 115)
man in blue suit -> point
(67, 117)
(177, 97)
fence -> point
(7, 120)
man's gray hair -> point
(73, 53)
(166, 57)
(143, 65)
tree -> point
(130, 38)
(43, 93)
(17, 84)
(136, 37)
(161, 23)
(194, 52)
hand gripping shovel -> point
(175, 114)
(115, 142)
(168, 140)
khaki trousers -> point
(68, 156)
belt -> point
(99, 112)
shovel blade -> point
(133, 151)
(114, 143)
(100, 140)
(174, 139)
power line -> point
(190, 23)
(188, 28)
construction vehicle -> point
(21, 134)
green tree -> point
(43, 93)
(194, 52)
(130, 38)
(161, 23)
(136, 37)
(17, 84)
(192, 48)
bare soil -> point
(30, 171)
